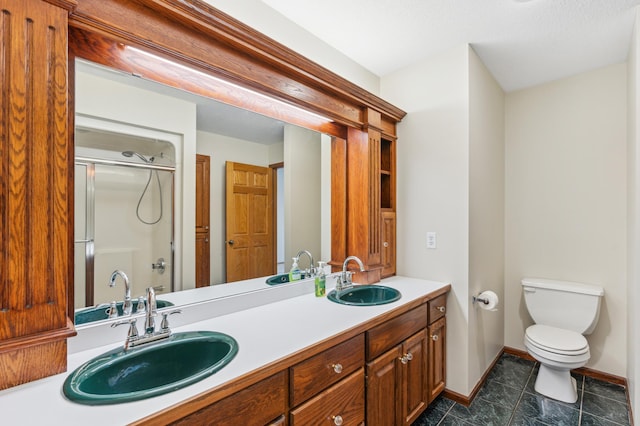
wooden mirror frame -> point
(206, 42)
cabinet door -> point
(383, 393)
(414, 376)
(437, 357)
(388, 250)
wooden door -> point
(437, 357)
(203, 253)
(249, 217)
(414, 377)
(383, 393)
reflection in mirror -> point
(123, 214)
(150, 114)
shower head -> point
(140, 156)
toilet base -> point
(557, 384)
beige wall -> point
(433, 188)
(118, 106)
(302, 174)
(257, 14)
(633, 219)
(222, 149)
(486, 213)
(565, 200)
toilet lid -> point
(557, 340)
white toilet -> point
(562, 311)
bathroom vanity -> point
(300, 359)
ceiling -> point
(211, 116)
(522, 42)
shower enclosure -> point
(124, 190)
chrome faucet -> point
(152, 311)
(344, 280)
(150, 333)
(312, 269)
(127, 306)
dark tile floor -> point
(508, 398)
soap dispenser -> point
(321, 280)
(295, 274)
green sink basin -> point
(150, 370)
(94, 313)
(278, 279)
(365, 295)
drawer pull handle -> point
(441, 308)
(406, 358)
(337, 368)
(337, 420)
(434, 337)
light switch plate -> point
(432, 240)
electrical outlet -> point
(432, 240)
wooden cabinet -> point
(388, 205)
(36, 196)
(388, 236)
(341, 404)
(437, 346)
(363, 212)
(264, 403)
(387, 374)
(311, 376)
(332, 384)
(397, 389)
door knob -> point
(231, 242)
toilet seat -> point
(556, 340)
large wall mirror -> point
(136, 144)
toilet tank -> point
(563, 304)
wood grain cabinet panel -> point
(397, 390)
(343, 403)
(320, 371)
(264, 403)
(388, 334)
(35, 201)
(437, 357)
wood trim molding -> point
(199, 36)
(588, 372)
(585, 371)
(69, 5)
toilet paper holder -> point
(480, 299)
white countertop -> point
(264, 334)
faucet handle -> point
(164, 325)
(141, 307)
(133, 328)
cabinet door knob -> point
(404, 359)
(441, 308)
(337, 420)
(337, 368)
(385, 244)
(409, 356)
(434, 337)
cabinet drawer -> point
(259, 404)
(386, 335)
(321, 371)
(344, 399)
(437, 308)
